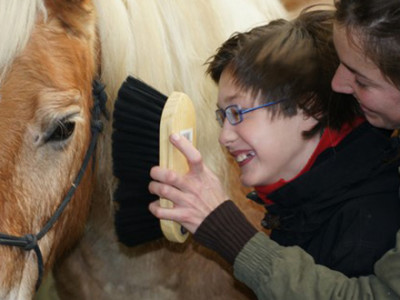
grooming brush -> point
(143, 120)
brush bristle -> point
(135, 149)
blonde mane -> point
(124, 37)
(22, 15)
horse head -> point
(46, 100)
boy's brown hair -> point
(293, 60)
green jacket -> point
(275, 272)
(289, 273)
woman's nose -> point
(343, 80)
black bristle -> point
(135, 149)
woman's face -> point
(357, 75)
(266, 149)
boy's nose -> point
(227, 134)
(343, 80)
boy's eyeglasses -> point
(234, 113)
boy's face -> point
(357, 75)
(266, 149)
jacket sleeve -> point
(276, 272)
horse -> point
(46, 76)
(56, 179)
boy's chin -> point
(247, 182)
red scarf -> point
(330, 138)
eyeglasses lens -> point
(220, 115)
(233, 114)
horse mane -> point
(22, 15)
(123, 38)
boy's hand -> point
(195, 194)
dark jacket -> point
(345, 210)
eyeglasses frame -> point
(241, 111)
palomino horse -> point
(48, 61)
(51, 53)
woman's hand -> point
(195, 194)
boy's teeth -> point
(243, 156)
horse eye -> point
(62, 132)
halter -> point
(30, 241)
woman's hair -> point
(293, 60)
(377, 24)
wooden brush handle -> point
(178, 116)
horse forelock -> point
(19, 17)
(17, 20)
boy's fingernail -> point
(174, 136)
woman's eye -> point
(361, 84)
(62, 132)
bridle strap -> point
(30, 241)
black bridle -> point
(30, 241)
